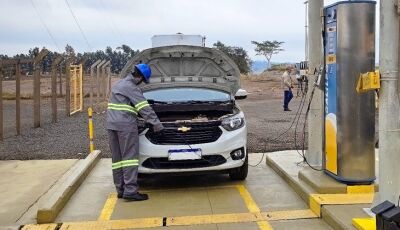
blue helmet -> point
(145, 70)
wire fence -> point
(37, 98)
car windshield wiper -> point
(204, 102)
(156, 102)
(186, 102)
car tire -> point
(241, 172)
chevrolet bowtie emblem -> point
(184, 129)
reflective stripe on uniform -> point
(126, 163)
(141, 105)
(122, 107)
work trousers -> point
(125, 160)
(287, 97)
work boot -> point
(136, 197)
(120, 193)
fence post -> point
(99, 80)
(92, 81)
(36, 87)
(1, 101)
(18, 96)
(105, 80)
(60, 73)
(108, 80)
(54, 66)
(67, 87)
(82, 72)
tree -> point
(267, 49)
(118, 57)
(70, 53)
(237, 54)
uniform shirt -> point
(125, 104)
(286, 81)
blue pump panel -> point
(349, 124)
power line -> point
(45, 26)
(113, 26)
(77, 23)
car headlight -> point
(233, 122)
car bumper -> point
(226, 143)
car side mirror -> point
(241, 94)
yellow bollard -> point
(91, 143)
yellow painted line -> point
(289, 215)
(248, 199)
(114, 224)
(260, 218)
(109, 206)
(364, 223)
(361, 189)
(252, 206)
(213, 219)
(40, 227)
(317, 200)
(315, 206)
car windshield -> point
(186, 94)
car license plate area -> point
(184, 154)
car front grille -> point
(164, 163)
(187, 133)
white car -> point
(192, 90)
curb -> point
(304, 191)
(58, 196)
(300, 190)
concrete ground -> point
(22, 183)
(288, 165)
(174, 197)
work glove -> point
(158, 131)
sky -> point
(100, 23)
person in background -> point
(299, 83)
(287, 86)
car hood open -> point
(187, 66)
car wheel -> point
(241, 172)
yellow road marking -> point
(248, 199)
(112, 199)
(252, 206)
(213, 219)
(109, 206)
(317, 200)
(40, 227)
(289, 215)
(361, 189)
(260, 218)
(114, 224)
(255, 215)
(364, 223)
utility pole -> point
(306, 31)
(315, 116)
(389, 124)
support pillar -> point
(315, 116)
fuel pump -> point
(349, 49)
